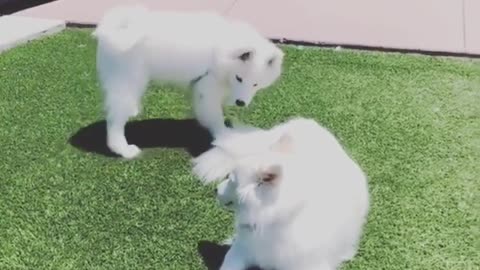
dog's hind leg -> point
(121, 104)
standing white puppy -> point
(300, 201)
(224, 61)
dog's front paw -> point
(119, 146)
(232, 123)
(131, 151)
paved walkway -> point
(26, 29)
(430, 25)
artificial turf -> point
(412, 122)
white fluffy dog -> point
(225, 62)
(300, 201)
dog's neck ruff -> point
(197, 79)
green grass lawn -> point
(412, 122)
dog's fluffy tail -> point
(213, 165)
(235, 143)
(122, 27)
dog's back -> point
(171, 46)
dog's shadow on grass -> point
(151, 133)
(213, 254)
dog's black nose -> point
(240, 103)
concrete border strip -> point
(17, 30)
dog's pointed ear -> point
(271, 174)
(284, 144)
(243, 54)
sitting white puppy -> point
(300, 202)
(225, 62)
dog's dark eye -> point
(255, 85)
(238, 78)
